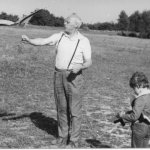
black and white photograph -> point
(74, 74)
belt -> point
(62, 70)
(66, 70)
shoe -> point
(72, 145)
(56, 141)
(60, 142)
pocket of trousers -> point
(140, 129)
(77, 81)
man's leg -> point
(75, 103)
(145, 143)
(61, 106)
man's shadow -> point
(47, 124)
(42, 122)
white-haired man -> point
(73, 54)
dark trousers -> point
(68, 103)
(140, 135)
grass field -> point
(27, 110)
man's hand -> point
(25, 38)
(76, 69)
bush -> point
(144, 35)
(122, 33)
(132, 34)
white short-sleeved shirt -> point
(66, 47)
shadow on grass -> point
(96, 144)
(5, 114)
(42, 122)
(45, 123)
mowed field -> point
(27, 105)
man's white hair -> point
(77, 20)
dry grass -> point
(28, 116)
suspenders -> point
(73, 52)
(60, 39)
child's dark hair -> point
(139, 79)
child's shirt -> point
(140, 108)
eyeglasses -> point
(67, 21)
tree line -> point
(135, 25)
(10, 17)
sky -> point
(90, 11)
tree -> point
(41, 18)
(44, 18)
(146, 20)
(135, 20)
(59, 21)
(145, 24)
(123, 21)
(10, 17)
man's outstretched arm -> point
(37, 41)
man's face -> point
(69, 24)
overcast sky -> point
(91, 11)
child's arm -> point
(136, 110)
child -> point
(139, 116)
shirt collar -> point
(144, 92)
(75, 37)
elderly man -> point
(73, 54)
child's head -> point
(138, 81)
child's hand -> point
(120, 114)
